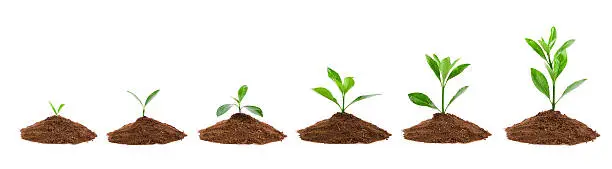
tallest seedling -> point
(554, 65)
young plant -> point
(241, 93)
(56, 111)
(151, 96)
(344, 87)
(442, 70)
(554, 66)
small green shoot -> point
(554, 66)
(56, 111)
(241, 93)
(344, 87)
(151, 96)
(442, 70)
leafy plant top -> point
(444, 70)
(344, 86)
(554, 66)
(238, 103)
(149, 98)
(56, 111)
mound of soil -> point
(445, 128)
(343, 128)
(57, 130)
(551, 128)
(145, 131)
(241, 129)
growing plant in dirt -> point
(555, 64)
(238, 103)
(56, 111)
(442, 70)
(149, 98)
(344, 86)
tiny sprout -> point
(554, 66)
(442, 70)
(343, 86)
(151, 96)
(56, 111)
(241, 93)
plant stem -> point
(343, 108)
(443, 110)
(553, 102)
(143, 111)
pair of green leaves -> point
(344, 86)
(444, 70)
(56, 111)
(554, 66)
(241, 93)
(149, 98)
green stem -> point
(343, 108)
(553, 102)
(239, 108)
(143, 111)
(443, 110)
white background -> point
(87, 54)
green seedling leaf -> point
(59, 109)
(223, 109)
(53, 107)
(326, 93)
(573, 86)
(436, 57)
(544, 45)
(553, 37)
(445, 66)
(139, 101)
(151, 96)
(560, 63)
(254, 110)
(361, 98)
(334, 76)
(242, 92)
(459, 93)
(536, 47)
(433, 64)
(348, 84)
(457, 70)
(237, 101)
(539, 80)
(422, 100)
(565, 45)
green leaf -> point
(459, 93)
(326, 93)
(242, 92)
(565, 45)
(349, 82)
(445, 67)
(59, 109)
(433, 64)
(553, 37)
(560, 63)
(573, 86)
(361, 98)
(334, 76)
(550, 71)
(455, 63)
(254, 110)
(151, 96)
(422, 100)
(53, 107)
(136, 98)
(544, 45)
(436, 58)
(539, 80)
(536, 47)
(458, 70)
(237, 101)
(223, 109)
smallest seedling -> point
(241, 93)
(56, 111)
(151, 96)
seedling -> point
(442, 69)
(144, 106)
(241, 93)
(344, 87)
(56, 111)
(554, 66)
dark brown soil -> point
(145, 131)
(551, 128)
(343, 128)
(57, 130)
(445, 128)
(241, 129)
